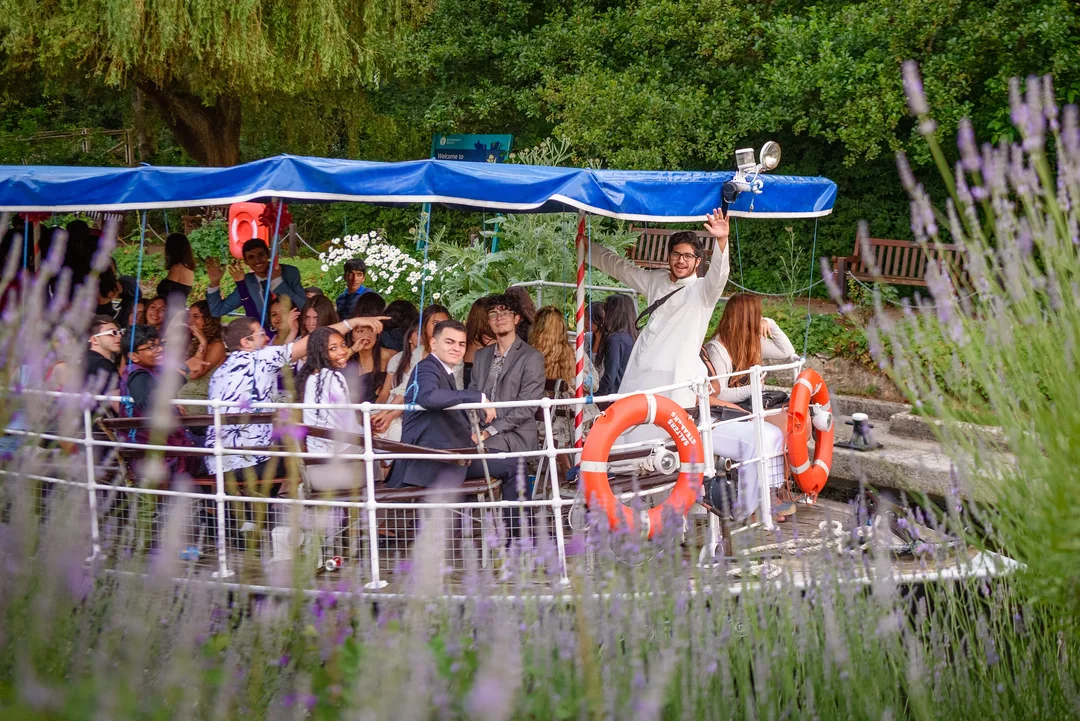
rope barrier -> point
(413, 387)
(809, 319)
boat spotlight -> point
(748, 168)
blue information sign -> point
(474, 148)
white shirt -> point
(243, 378)
(667, 350)
(775, 347)
(329, 386)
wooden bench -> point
(899, 262)
(651, 249)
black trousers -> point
(516, 485)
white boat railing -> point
(555, 502)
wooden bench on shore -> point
(899, 262)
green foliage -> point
(211, 240)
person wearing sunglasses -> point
(102, 375)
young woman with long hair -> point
(618, 334)
(180, 267)
(477, 334)
(198, 386)
(743, 339)
(549, 336)
(322, 380)
(367, 368)
(318, 312)
(387, 424)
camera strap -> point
(649, 311)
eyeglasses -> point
(500, 313)
(112, 333)
(688, 257)
(257, 333)
(152, 346)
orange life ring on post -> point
(621, 415)
(244, 224)
(810, 475)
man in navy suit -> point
(284, 281)
(434, 426)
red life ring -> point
(811, 476)
(621, 415)
(244, 224)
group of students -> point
(360, 348)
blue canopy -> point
(653, 196)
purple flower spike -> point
(969, 151)
(913, 88)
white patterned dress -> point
(244, 378)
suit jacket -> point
(290, 285)
(522, 378)
(434, 427)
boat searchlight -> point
(748, 169)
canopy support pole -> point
(579, 341)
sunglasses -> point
(113, 333)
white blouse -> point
(775, 347)
(334, 390)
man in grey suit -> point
(508, 370)
(284, 281)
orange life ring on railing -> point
(810, 475)
(621, 415)
(244, 224)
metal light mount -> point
(748, 171)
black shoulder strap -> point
(652, 308)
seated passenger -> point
(508, 370)
(549, 336)
(387, 424)
(479, 335)
(323, 382)
(249, 375)
(618, 333)
(433, 426)
(742, 340)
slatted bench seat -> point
(900, 262)
(651, 248)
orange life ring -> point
(811, 476)
(244, 224)
(621, 415)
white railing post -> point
(219, 496)
(373, 521)
(705, 426)
(556, 494)
(539, 296)
(91, 485)
(759, 435)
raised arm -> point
(775, 344)
(218, 306)
(299, 348)
(622, 269)
(714, 281)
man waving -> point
(668, 349)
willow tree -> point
(202, 63)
